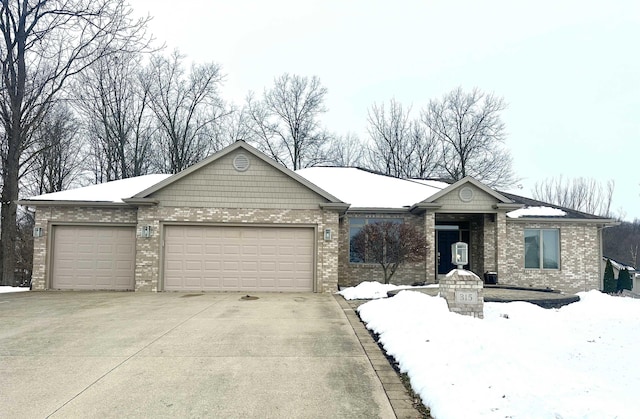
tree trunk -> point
(8, 214)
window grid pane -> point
(541, 248)
(532, 249)
(550, 249)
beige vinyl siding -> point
(481, 201)
(238, 258)
(93, 258)
(220, 185)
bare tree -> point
(233, 126)
(54, 162)
(44, 44)
(390, 245)
(471, 134)
(346, 151)
(117, 119)
(284, 124)
(400, 147)
(581, 194)
(186, 106)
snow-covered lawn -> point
(5, 289)
(520, 361)
(371, 290)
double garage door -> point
(196, 258)
(238, 258)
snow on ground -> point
(5, 289)
(520, 361)
(371, 290)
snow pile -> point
(536, 212)
(373, 290)
(461, 272)
(6, 289)
(112, 191)
(363, 189)
(367, 291)
(521, 361)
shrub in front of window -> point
(624, 280)
(389, 244)
(610, 283)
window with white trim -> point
(542, 248)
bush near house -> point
(624, 280)
(610, 283)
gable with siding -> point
(467, 198)
(220, 184)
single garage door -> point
(93, 258)
(237, 258)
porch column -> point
(430, 234)
(501, 245)
(489, 243)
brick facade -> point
(579, 258)
(497, 245)
(351, 274)
(48, 217)
(148, 250)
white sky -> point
(568, 70)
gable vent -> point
(241, 163)
(466, 194)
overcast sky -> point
(569, 70)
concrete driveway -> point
(107, 354)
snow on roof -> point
(113, 191)
(618, 265)
(536, 212)
(363, 189)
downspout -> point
(600, 272)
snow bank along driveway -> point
(521, 361)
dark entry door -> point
(445, 239)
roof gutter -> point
(605, 222)
(422, 207)
(141, 202)
(30, 203)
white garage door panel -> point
(93, 258)
(238, 258)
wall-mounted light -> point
(327, 234)
(145, 231)
(38, 232)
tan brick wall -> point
(430, 231)
(489, 240)
(579, 260)
(351, 274)
(148, 250)
(47, 217)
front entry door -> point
(445, 239)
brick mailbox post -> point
(463, 292)
(462, 289)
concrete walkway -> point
(100, 354)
